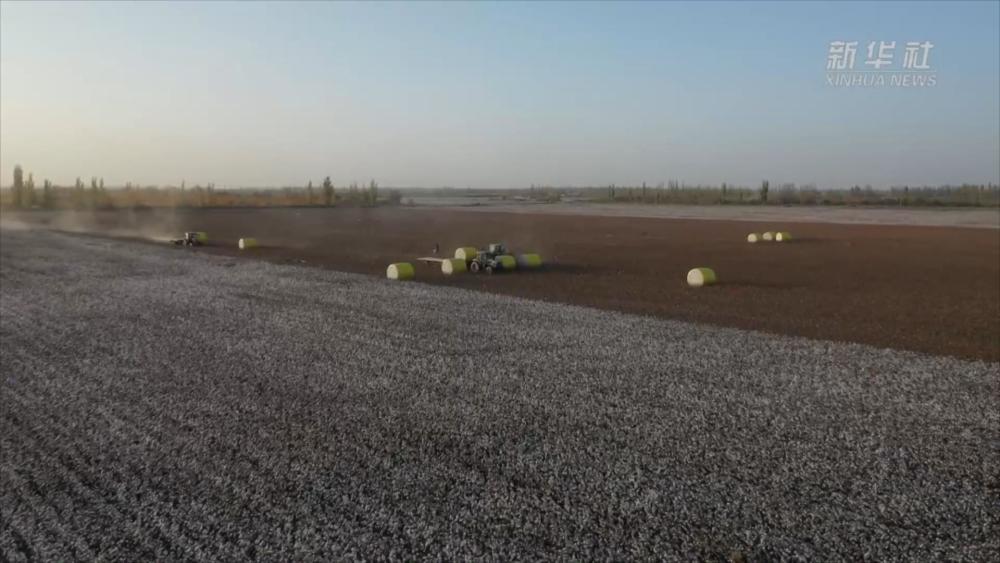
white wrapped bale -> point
(768, 236)
(247, 243)
(467, 253)
(451, 266)
(507, 262)
(753, 237)
(529, 261)
(783, 237)
(399, 271)
(699, 277)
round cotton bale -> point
(399, 271)
(453, 266)
(507, 262)
(248, 243)
(701, 276)
(783, 237)
(201, 236)
(767, 236)
(529, 261)
(467, 253)
(753, 237)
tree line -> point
(966, 195)
(24, 194)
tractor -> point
(489, 260)
(190, 239)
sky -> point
(490, 95)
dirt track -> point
(927, 289)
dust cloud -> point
(156, 225)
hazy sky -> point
(492, 95)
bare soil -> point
(928, 289)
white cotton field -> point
(164, 404)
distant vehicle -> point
(194, 238)
(490, 260)
(494, 258)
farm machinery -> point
(194, 238)
(494, 258)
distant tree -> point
(328, 194)
(764, 187)
(94, 192)
(787, 194)
(869, 197)
(309, 193)
(372, 194)
(855, 194)
(78, 193)
(808, 194)
(29, 191)
(102, 194)
(18, 187)
(48, 195)
(395, 197)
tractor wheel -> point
(474, 267)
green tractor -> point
(493, 259)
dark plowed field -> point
(928, 289)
